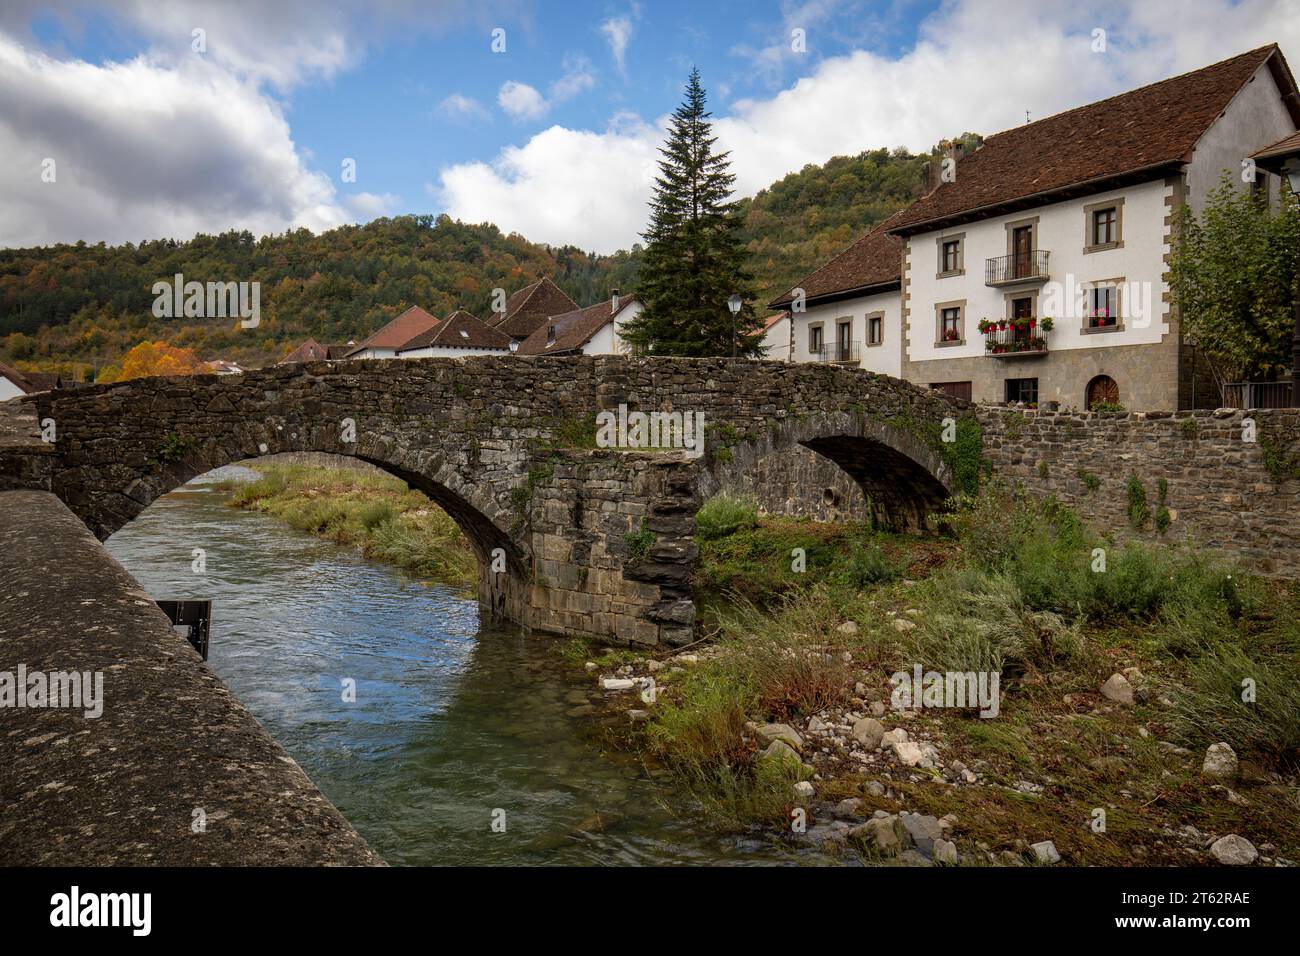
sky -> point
(126, 120)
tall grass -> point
(378, 513)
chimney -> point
(613, 301)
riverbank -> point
(363, 508)
(1147, 705)
(1146, 709)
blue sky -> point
(555, 137)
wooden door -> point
(1022, 248)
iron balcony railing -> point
(1018, 267)
(1258, 395)
(1016, 343)
(843, 352)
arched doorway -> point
(1102, 390)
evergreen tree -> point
(694, 259)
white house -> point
(1054, 236)
(386, 342)
(594, 330)
(14, 383)
(776, 331)
(457, 336)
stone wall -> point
(122, 788)
(597, 544)
(1220, 495)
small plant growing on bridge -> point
(174, 448)
(1190, 428)
(1274, 444)
(1090, 481)
(1138, 510)
(640, 542)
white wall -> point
(374, 353)
(442, 351)
(8, 389)
(1061, 231)
(609, 341)
(776, 340)
(1254, 119)
(885, 358)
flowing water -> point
(457, 721)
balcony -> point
(1016, 338)
(1022, 267)
(844, 353)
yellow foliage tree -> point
(159, 358)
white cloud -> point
(367, 206)
(967, 72)
(459, 106)
(562, 187)
(618, 32)
(521, 101)
(145, 151)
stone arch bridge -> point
(594, 541)
(584, 540)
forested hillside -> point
(77, 308)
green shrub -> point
(724, 515)
(867, 564)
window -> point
(950, 255)
(550, 335)
(960, 390)
(875, 329)
(1103, 310)
(1022, 390)
(815, 340)
(1103, 226)
(950, 324)
(1104, 223)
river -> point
(457, 721)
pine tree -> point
(694, 260)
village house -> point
(385, 343)
(458, 335)
(595, 330)
(529, 308)
(313, 351)
(14, 383)
(1035, 269)
(776, 334)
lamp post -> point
(1283, 158)
(734, 303)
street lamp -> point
(1283, 158)
(734, 303)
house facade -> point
(1036, 271)
(595, 330)
(385, 342)
(457, 336)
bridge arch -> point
(904, 480)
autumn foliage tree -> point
(155, 358)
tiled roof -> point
(531, 306)
(399, 331)
(770, 321)
(31, 381)
(574, 329)
(875, 260)
(313, 351)
(1289, 144)
(1133, 134)
(460, 330)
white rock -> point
(816, 725)
(1046, 852)
(803, 790)
(617, 683)
(848, 628)
(903, 624)
(1118, 689)
(909, 754)
(896, 736)
(1220, 762)
(868, 731)
(1233, 850)
(945, 852)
